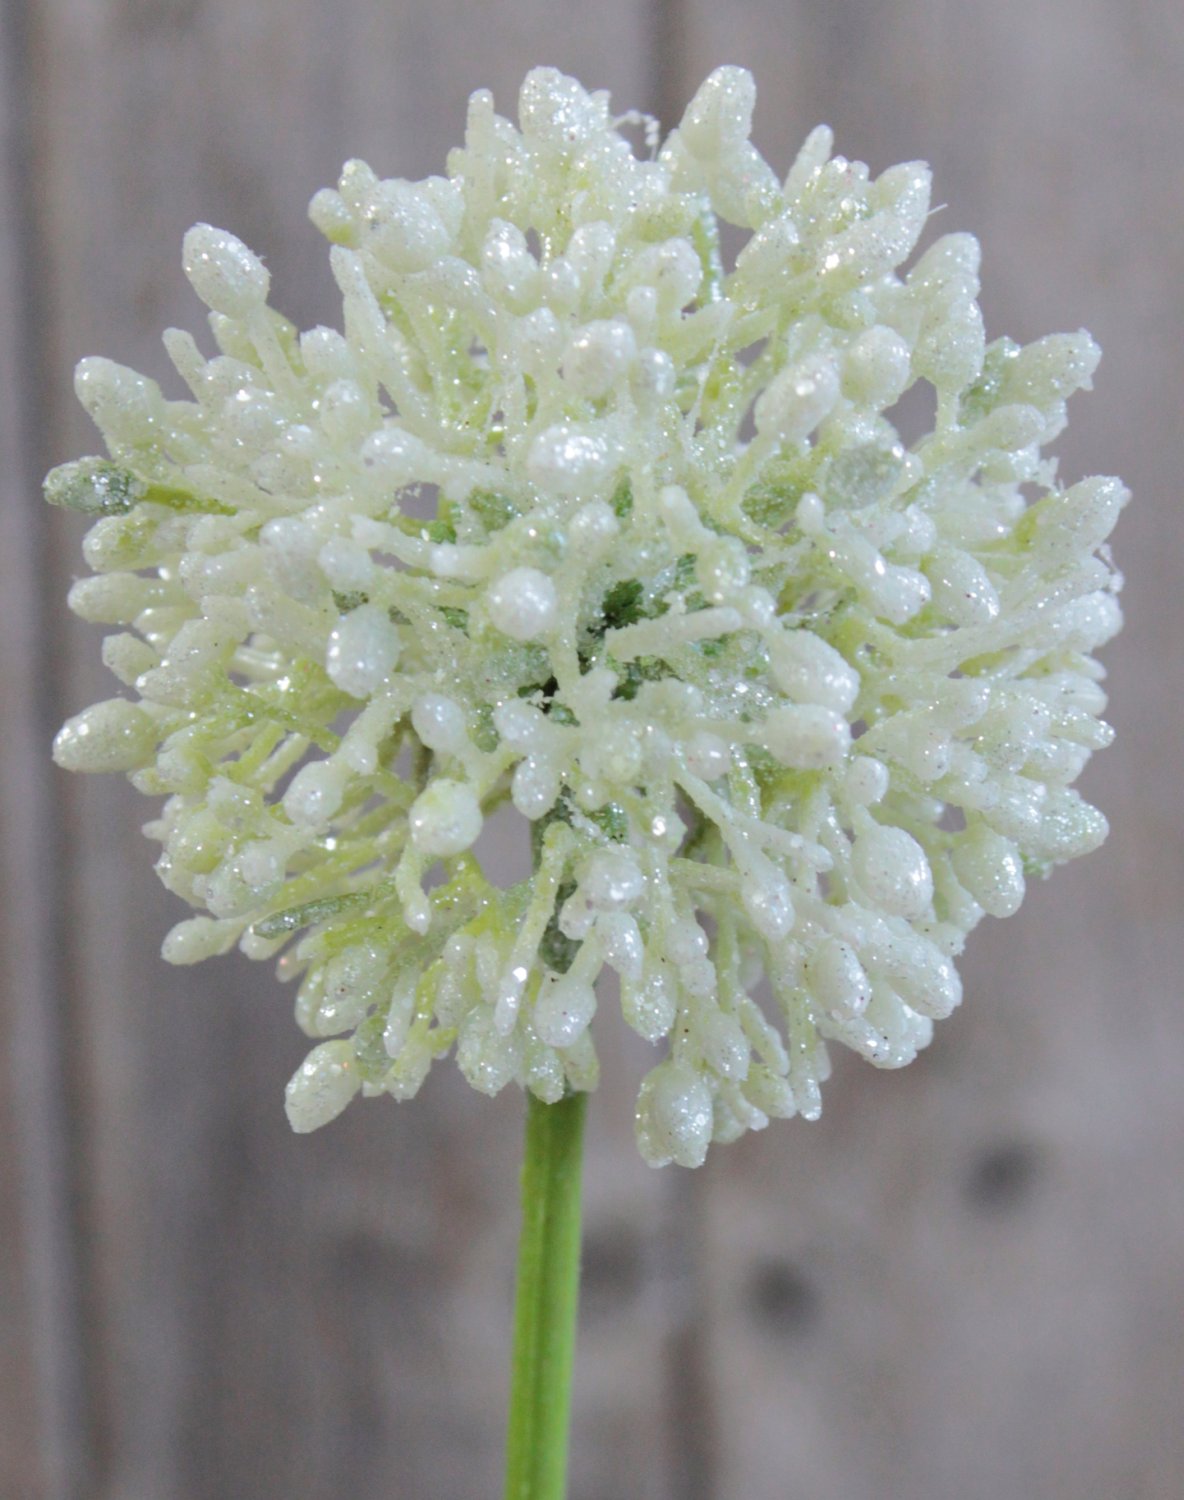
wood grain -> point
(266, 1315)
(43, 1369)
(965, 1280)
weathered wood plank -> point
(966, 1279)
(963, 1280)
(43, 1408)
(281, 1316)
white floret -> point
(522, 603)
(445, 819)
(362, 651)
(226, 275)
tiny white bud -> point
(126, 406)
(674, 1116)
(611, 880)
(522, 603)
(686, 941)
(767, 258)
(111, 736)
(797, 399)
(567, 460)
(891, 867)
(538, 339)
(990, 868)
(876, 368)
(331, 216)
(321, 1086)
(363, 649)
(128, 657)
(771, 1093)
(757, 606)
(962, 591)
(590, 250)
(534, 786)
(260, 866)
(598, 356)
(352, 979)
(315, 793)
(445, 818)
(1081, 519)
(837, 979)
(563, 1010)
(924, 977)
(623, 946)
(724, 1046)
(810, 670)
(720, 112)
(226, 275)
(866, 781)
(508, 270)
(521, 725)
(111, 598)
(641, 308)
(406, 233)
(440, 723)
(806, 736)
(326, 354)
(199, 938)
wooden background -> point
(966, 1279)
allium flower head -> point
(573, 515)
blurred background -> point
(966, 1279)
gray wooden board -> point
(42, 1360)
(968, 1279)
(963, 1280)
(265, 1314)
(18, 1435)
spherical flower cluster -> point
(579, 516)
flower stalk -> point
(546, 1300)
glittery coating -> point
(574, 517)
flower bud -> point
(797, 399)
(522, 603)
(110, 736)
(445, 819)
(321, 1086)
(226, 275)
(674, 1116)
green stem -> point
(546, 1300)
